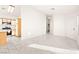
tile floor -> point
(17, 46)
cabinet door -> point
(3, 38)
(18, 27)
(13, 23)
(0, 21)
(9, 21)
(4, 20)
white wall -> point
(51, 25)
(65, 25)
(71, 26)
(58, 25)
(33, 22)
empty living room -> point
(34, 29)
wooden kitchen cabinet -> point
(18, 27)
(3, 38)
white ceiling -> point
(59, 9)
(4, 11)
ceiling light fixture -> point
(11, 8)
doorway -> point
(48, 18)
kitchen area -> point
(10, 23)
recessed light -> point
(3, 8)
(52, 8)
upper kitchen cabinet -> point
(0, 21)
